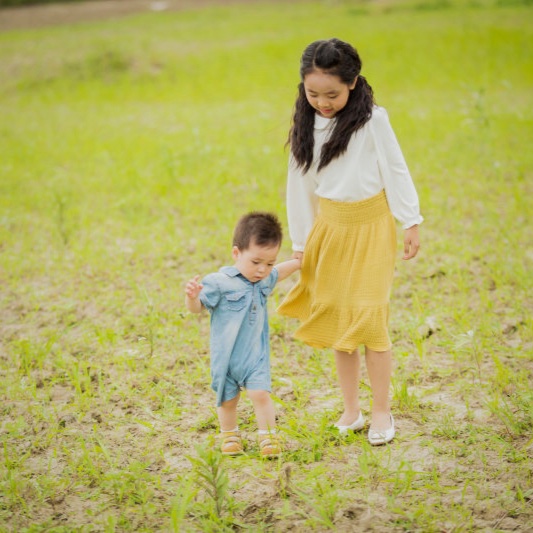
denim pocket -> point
(235, 301)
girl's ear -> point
(352, 86)
(235, 253)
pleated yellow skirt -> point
(342, 296)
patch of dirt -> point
(71, 13)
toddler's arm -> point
(192, 293)
(286, 268)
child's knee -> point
(231, 403)
(259, 396)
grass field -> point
(128, 149)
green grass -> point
(128, 149)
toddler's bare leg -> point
(264, 409)
(227, 414)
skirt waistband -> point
(360, 212)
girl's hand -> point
(193, 288)
(411, 242)
(298, 255)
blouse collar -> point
(321, 123)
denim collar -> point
(230, 271)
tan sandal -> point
(231, 443)
(269, 445)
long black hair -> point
(337, 58)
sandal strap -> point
(270, 445)
(231, 438)
(268, 440)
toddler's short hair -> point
(263, 229)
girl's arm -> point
(302, 205)
(401, 192)
(192, 295)
(286, 268)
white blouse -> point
(373, 161)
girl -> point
(347, 181)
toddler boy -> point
(236, 297)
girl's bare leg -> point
(379, 367)
(227, 414)
(349, 375)
(264, 409)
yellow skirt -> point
(342, 296)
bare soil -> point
(71, 13)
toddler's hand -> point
(193, 288)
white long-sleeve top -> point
(372, 162)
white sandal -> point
(355, 426)
(378, 437)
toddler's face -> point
(256, 262)
(328, 94)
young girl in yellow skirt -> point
(347, 182)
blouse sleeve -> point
(399, 186)
(302, 204)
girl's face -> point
(326, 93)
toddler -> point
(236, 297)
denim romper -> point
(240, 345)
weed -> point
(211, 476)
